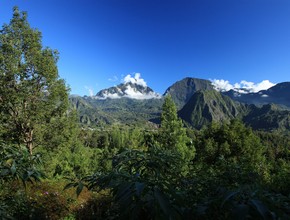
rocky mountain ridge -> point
(199, 104)
(278, 94)
(127, 90)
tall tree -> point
(31, 92)
(172, 132)
(231, 148)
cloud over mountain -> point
(134, 93)
(135, 80)
(90, 90)
(132, 87)
(242, 87)
(113, 79)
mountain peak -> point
(182, 90)
(206, 106)
(278, 94)
(133, 89)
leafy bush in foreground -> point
(141, 184)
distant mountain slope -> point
(93, 111)
(183, 90)
(268, 117)
(211, 106)
(89, 114)
(130, 102)
(208, 106)
(278, 94)
(199, 104)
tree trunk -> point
(30, 147)
(29, 141)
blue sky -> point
(102, 41)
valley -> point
(198, 104)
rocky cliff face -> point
(198, 101)
(209, 106)
(183, 90)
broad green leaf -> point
(79, 188)
(228, 196)
(123, 191)
(261, 208)
(69, 185)
(13, 168)
(162, 201)
(240, 212)
(139, 188)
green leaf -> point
(240, 212)
(228, 196)
(162, 201)
(70, 185)
(13, 168)
(139, 188)
(30, 173)
(123, 192)
(80, 188)
(261, 208)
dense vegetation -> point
(52, 168)
(197, 108)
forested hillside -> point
(135, 160)
(95, 112)
(207, 106)
(198, 104)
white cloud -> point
(264, 96)
(242, 87)
(108, 95)
(134, 94)
(114, 79)
(264, 85)
(131, 93)
(112, 96)
(136, 79)
(222, 85)
(90, 90)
